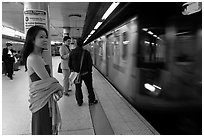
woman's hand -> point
(57, 95)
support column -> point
(39, 11)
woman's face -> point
(41, 40)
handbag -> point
(59, 70)
(72, 77)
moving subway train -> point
(157, 69)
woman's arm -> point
(38, 66)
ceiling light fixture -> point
(110, 10)
(145, 29)
(151, 33)
(97, 25)
(92, 31)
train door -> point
(107, 55)
(95, 52)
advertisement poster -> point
(35, 17)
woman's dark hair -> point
(29, 42)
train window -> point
(185, 40)
(185, 48)
(124, 45)
(100, 48)
(151, 50)
(116, 49)
(109, 43)
(96, 48)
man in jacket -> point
(8, 59)
(64, 54)
(86, 72)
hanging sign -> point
(35, 17)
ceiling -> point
(63, 15)
(151, 15)
(68, 15)
(12, 15)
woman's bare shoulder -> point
(32, 58)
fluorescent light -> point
(92, 31)
(110, 10)
(55, 42)
(145, 29)
(19, 33)
(149, 87)
(97, 25)
(155, 36)
(133, 19)
(14, 42)
(8, 31)
(182, 33)
(125, 42)
(146, 42)
(151, 33)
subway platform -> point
(113, 115)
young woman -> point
(45, 90)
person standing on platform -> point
(8, 59)
(5, 61)
(64, 54)
(44, 89)
(86, 72)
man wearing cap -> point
(9, 60)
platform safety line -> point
(86, 92)
(92, 120)
(131, 107)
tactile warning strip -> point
(100, 122)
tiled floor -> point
(16, 117)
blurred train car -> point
(158, 70)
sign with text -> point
(35, 17)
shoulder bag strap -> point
(81, 61)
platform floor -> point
(112, 115)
